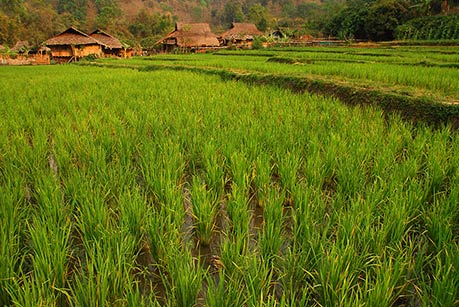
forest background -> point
(142, 22)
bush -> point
(430, 28)
(258, 42)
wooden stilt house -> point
(189, 37)
(72, 44)
(240, 35)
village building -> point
(72, 44)
(21, 47)
(111, 45)
(43, 55)
(240, 35)
(194, 37)
(279, 34)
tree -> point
(384, 17)
(75, 7)
(259, 16)
(232, 12)
(12, 7)
(349, 23)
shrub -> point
(430, 28)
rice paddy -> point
(131, 187)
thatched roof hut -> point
(241, 32)
(21, 47)
(74, 44)
(72, 36)
(108, 40)
(190, 35)
(112, 45)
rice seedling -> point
(184, 277)
(262, 177)
(224, 292)
(271, 236)
(205, 207)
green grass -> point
(292, 199)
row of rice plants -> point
(390, 55)
(441, 81)
(116, 182)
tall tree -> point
(383, 18)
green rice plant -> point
(258, 281)
(384, 280)
(12, 215)
(48, 231)
(29, 292)
(240, 170)
(162, 169)
(296, 275)
(438, 167)
(223, 291)
(338, 275)
(442, 288)
(238, 212)
(133, 213)
(271, 237)
(262, 177)
(214, 164)
(92, 217)
(105, 278)
(439, 223)
(288, 166)
(205, 206)
(234, 250)
(164, 226)
(398, 221)
(184, 277)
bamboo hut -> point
(112, 46)
(240, 35)
(72, 44)
(189, 37)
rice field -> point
(419, 71)
(125, 187)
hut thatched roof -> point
(109, 40)
(21, 46)
(192, 35)
(44, 49)
(72, 36)
(242, 31)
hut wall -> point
(88, 50)
(42, 58)
(113, 52)
(61, 51)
